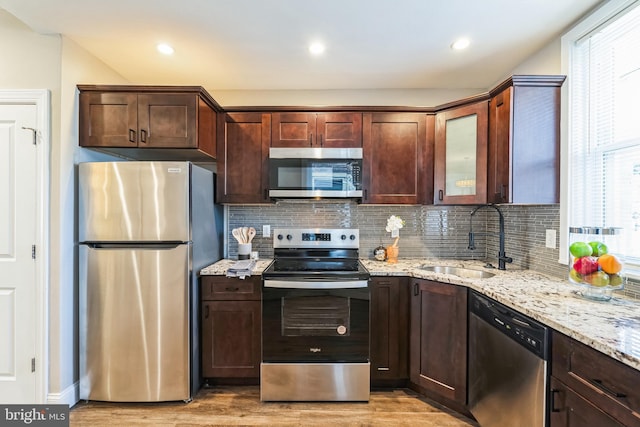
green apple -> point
(598, 248)
(580, 249)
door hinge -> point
(33, 251)
(33, 364)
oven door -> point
(315, 321)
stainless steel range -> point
(315, 318)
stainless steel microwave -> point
(315, 172)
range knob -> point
(280, 237)
(343, 237)
(289, 237)
(352, 237)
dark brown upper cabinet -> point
(460, 166)
(329, 130)
(149, 122)
(397, 158)
(243, 156)
(524, 141)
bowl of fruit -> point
(593, 268)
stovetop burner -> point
(316, 253)
(315, 264)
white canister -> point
(244, 250)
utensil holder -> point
(244, 250)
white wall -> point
(367, 97)
(34, 61)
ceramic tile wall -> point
(429, 231)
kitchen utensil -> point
(251, 234)
(237, 233)
(245, 234)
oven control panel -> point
(316, 237)
(348, 238)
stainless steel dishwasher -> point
(508, 374)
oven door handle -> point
(308, 284)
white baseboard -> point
(69, 396)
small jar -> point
(594, 265)
(380, 253)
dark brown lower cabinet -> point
(389, 331)
(589, 388)
(438, 342)
(231, 328)
(569, 409)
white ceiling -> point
(262, 44)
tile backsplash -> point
(429, 231)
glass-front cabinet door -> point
(460, 169)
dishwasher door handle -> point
(521, 322)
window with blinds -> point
(604, 130)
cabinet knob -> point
(143, 135)
(440, 195)
(132, 135)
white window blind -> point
(604, 131)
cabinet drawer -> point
(607, 383)
(569, 409)
(220, 288)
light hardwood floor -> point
(241, 405)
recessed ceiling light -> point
(461, 43)
(316, 48)
(164, 49)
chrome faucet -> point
(502, 257)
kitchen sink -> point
(467, 273)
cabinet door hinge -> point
(33, 251)
(33, 364)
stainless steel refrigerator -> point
(145, 230)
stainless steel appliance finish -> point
(508, 373)
(315, 317)
(314, 153)
(146, 229)
(315, 172)
(315, 382)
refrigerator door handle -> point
(134, 245)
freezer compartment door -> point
(134, 324)
(133, 201)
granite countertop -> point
(220, 268)
(612, 327)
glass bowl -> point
(595, 293)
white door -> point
(18, 228)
